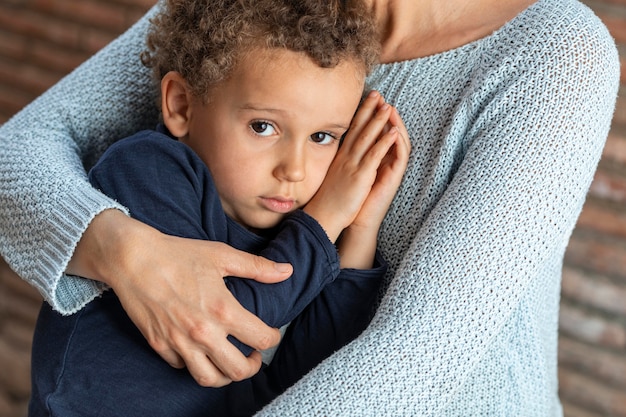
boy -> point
(255, 98)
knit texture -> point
(507, 132)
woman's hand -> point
(173, 290)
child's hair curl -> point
(204, 39)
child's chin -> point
(266, 223)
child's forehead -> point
(255, 56)
(292, 86)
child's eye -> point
(322, 138)
(262, 128)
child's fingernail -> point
(373, 94)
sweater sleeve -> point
(47, 202)
(494, 238)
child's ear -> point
(175, 104)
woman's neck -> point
(417, 28)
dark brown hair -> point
(203, 39)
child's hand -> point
(368, 145)
(388, 179)
(357, 245)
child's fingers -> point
(380, 149)
(396, 120)
(370, 107)
(357, 143)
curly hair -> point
(204, 39)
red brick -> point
(608, 186)
(13, 362)
(31, 79)
(581, 390)
(604, 256)
(605, 366)
(13, 46)
(571, 410)
(8, 408)
(140, 4)
(602, 219)
(10, 282)
(105, 15)
(19, 335)
(599, 293)
(615, 148)
(13, 100)
(619, 116)
(592, 329)
(134, 15)
(61, 60)
(592, 3)
(38, 26)
(19, 310)
(615, 24)
(93, 40)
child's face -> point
(270, 132)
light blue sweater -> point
(507, 132)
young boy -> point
(255, 99)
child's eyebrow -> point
(261, 108)
(254, 107)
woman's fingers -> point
(245, 265)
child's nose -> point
(292, 164)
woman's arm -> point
(48, 206)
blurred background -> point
(42, 40)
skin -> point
(191, 303)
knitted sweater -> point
(507, 132)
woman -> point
(508, 105)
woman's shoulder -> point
(559, 26)
(559, 40)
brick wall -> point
(41, 40)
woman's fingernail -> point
(283, 267)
